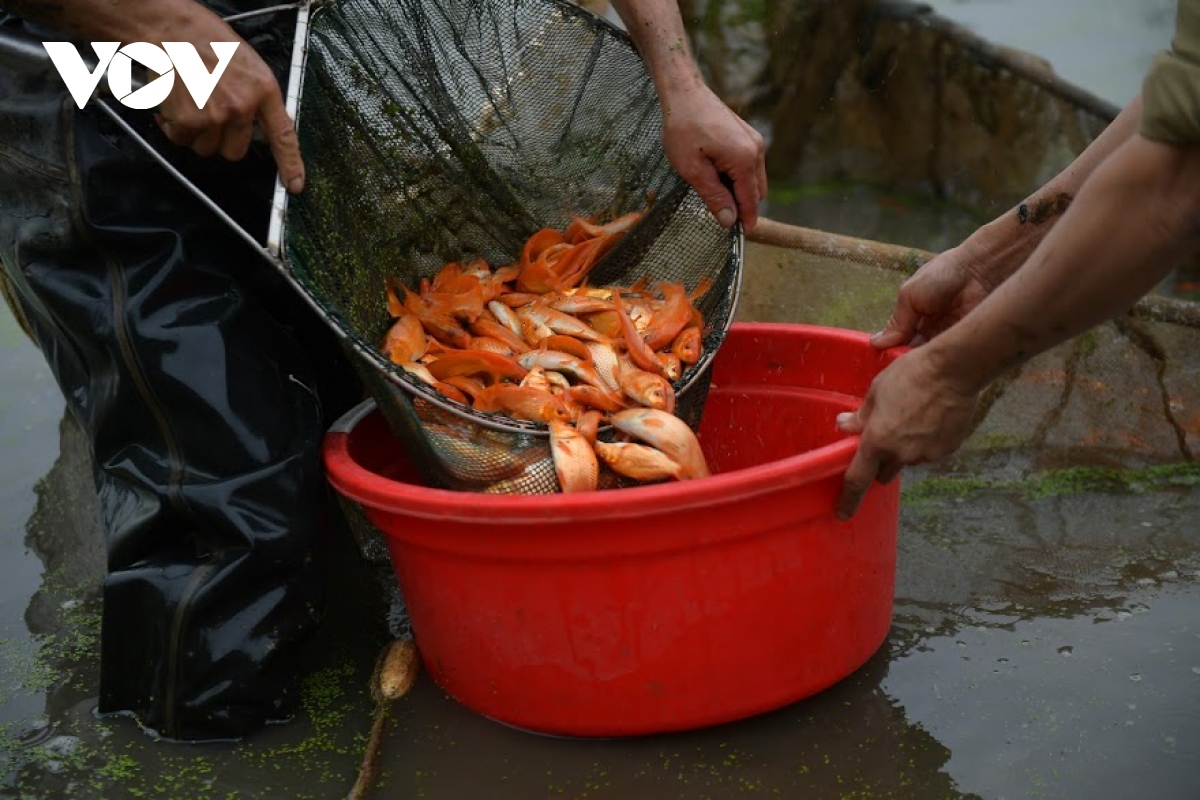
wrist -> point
(955, 362)
(676, 77)
(998, 249)
(173, 17)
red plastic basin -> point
(663, 607)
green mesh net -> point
(450, 131)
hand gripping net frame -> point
(441, 131)
(437, 132)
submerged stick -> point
(395, 673)
(909, 259)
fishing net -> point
(450, 131)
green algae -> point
(37, 664)
(723, 15)
(846, 311)
(105, 768)
(1056, 482)
(325, 704)
(1087, 342)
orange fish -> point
(476, 362)
(405, 340)
(522, 402)
(688, 345)
(642, 355)
(665, 432)
(638, 461)
(668, 321)
(575, 463)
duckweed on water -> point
(102, 769)
(119, 769)
(47, 662)
(323, 700)
(327, 707)
(191, 777)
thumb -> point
(717, 198)
(901, 326)
(849, 422)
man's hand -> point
(702, 137)
(912, 413)
(937, 296)
(704, 140)
(247, 94)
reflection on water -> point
(853, 740)
(1091, 706)
(1063, 657)
(30, 408)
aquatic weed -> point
(846, 311)
(932, 488)
(46, 660)
(1055, 482)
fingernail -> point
(842, 418)
(875, 336)
(295, 185)
(726, 217)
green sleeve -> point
(1171, 90)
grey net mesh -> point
(448, 131)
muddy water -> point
(30, 409)
(1030, 658)
(1045, 644)
(1102, 46)
(1045, 639)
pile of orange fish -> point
(531, 340)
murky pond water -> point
(1045, 644)
(1102, 46)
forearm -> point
(108, 20)
(1134, 219)
(999, 248)
(657, 30)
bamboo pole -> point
(835, 245)
(909, 259)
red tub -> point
(654, 608)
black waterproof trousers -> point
(203, 385)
